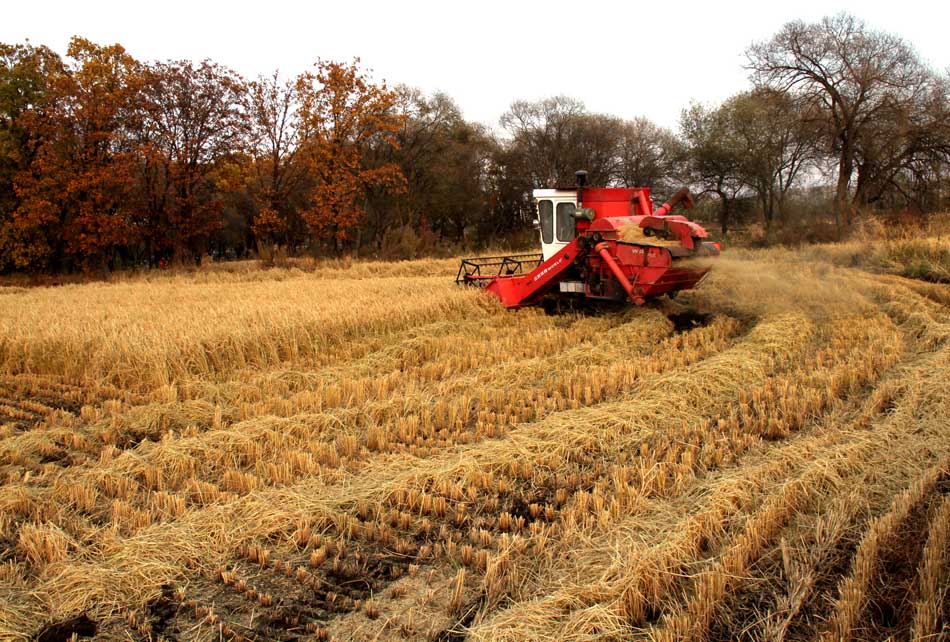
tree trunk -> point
(845, 167)
(725, 212)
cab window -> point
(565, 222)
(546, 216)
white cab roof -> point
(554, 193)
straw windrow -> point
(362, 453)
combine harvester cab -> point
(583, 253)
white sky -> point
(623, 58)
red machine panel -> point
(598, 258)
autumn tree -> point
(556, 136)
(550, 139)
(77, 197)
(445, 160)
(341, 113)
(648, 156)
(546, 142)
(194, 120)
(777, 141)
(847, 72)
(511, 207)
(26, 76)
(903, 153)
(714, 156)
(277, 174)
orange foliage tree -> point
(26, 75)
(79, 188)
(341, 114)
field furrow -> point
(360, 453)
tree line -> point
(107, 161)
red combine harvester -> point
(583, 256)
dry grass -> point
(934, 570)
(354, 451)
(883, 532)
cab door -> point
(557, 223)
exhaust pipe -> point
(581, 177)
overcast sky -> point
(626, 58)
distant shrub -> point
(272, 255)
(401, 243)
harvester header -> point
(584, 254)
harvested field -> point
(359, 453)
